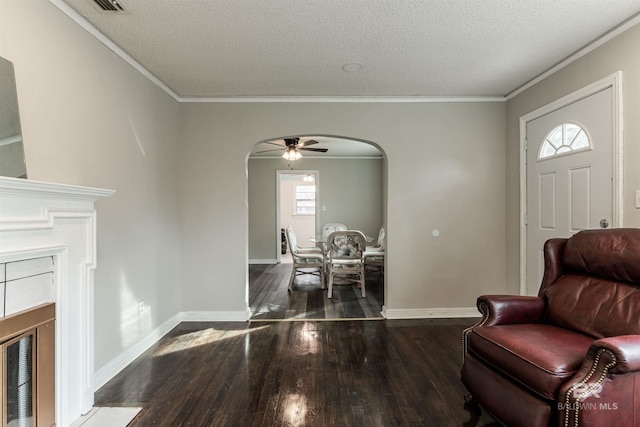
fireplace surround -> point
(40, 219)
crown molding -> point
(608, 36)
(75, 16)
(86, 25)
(340, 99)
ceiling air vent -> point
(109, 6)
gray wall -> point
(351, 190)
(445, 171)
(90, 119)
(620, 54)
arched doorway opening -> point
(350, 187)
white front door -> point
(569, 175)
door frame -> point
(615, 82)
(279, 173)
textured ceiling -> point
(254, 48)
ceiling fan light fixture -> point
(308, 178)
(292, 154)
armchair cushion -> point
(594, 306)
(541, 357)
(606, 253)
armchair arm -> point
(510, 309)
(625, 350)
(505, 310)
(605, 388)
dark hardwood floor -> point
(273, 371)
(269, 298)
(305, 373)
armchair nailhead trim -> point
(593, 387)
(484, 309)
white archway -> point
(262, 225)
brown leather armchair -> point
(571, 355)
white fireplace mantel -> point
(44, 219)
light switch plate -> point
(637, 199)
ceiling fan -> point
(293, 146)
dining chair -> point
(346, 258)
(304, 258)
(374, 254)
(330, 227)
(327, 229)
(379, 244)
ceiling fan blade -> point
(319, 150)
(309, 142)
(273, 143)
(275, 149)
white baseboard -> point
(215, 316)
(263, 261)
(111, 369)
(430, 313)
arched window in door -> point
(564, 139)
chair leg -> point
(473, 407)
(362, 282)
(321, 277)
(330, 292)
(293, 276)
(470, 399)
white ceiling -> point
(240, 49)
(296, 48)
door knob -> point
(604, 223)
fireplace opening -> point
(27, 377)
(18, 355)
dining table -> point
(319, 238)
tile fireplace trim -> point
(45, 219)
